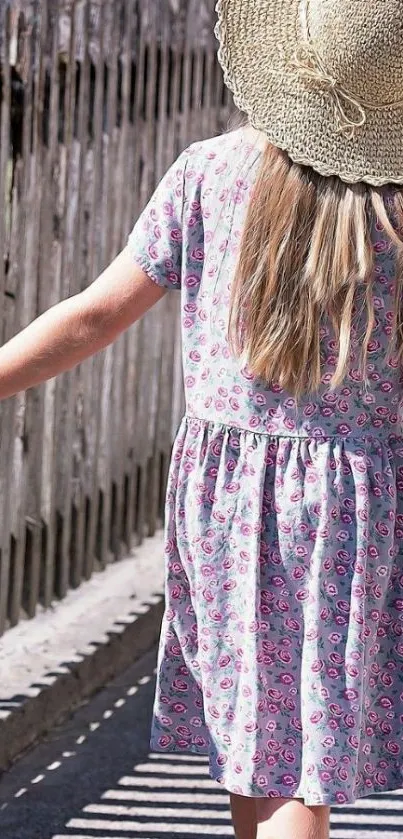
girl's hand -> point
(77, 328)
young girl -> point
(282, 645)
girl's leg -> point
(244, 816)
(278, 818)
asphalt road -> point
(94, 778)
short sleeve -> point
(157, 238)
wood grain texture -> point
(97, 98)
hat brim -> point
(258, 42)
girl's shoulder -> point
(223, 152)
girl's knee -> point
(291, 818)
(267, 807)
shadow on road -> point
(94, 778)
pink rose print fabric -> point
(281, 653)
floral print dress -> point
(281, 653)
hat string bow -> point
(310, 67)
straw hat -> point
(322, 78)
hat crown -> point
(360, 42)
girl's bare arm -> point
(77, 328)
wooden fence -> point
(97, 97)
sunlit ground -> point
(94, 779)
(159, 800)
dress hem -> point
(314, 801)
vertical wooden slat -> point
(109, 174)
(79, 498)
(174, 134)
(68, 389)
(187, 93)
(8, 409)
(43, 559)
(163, 318)
(139, 192)
(131, 347)
(18, 484)
(207, 112)
(5, 107)
(118, 440)
(197, 93)
(162, 161)
(95, 264)
(29, 438)
(11, 188)
(151, 333)
(139, 199)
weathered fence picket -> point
(97, 97)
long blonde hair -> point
(305, 250)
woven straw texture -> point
(323, 79)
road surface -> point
(94, 778)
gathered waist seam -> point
(372, 437)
